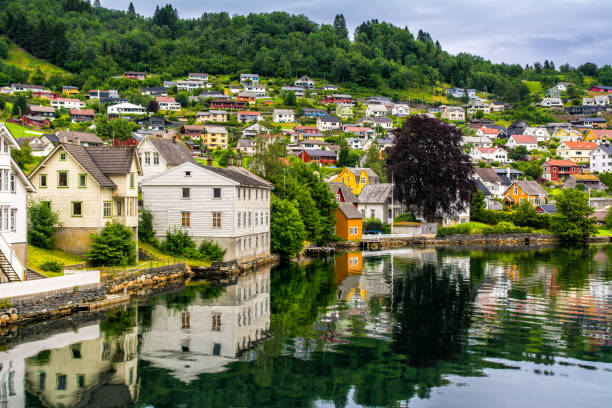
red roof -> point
(248, 113)
(599, 133)
(560, 163)
(66, 99)
(487, 149)
(305, 128)
(488, 131)
(356, 129)
(165, 99)
(581, 145)
(525, 139)
(88, 112)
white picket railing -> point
(378, 237)
(12, 257)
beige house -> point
(212, 116)
(88, 186)
(453, 113)
(215, 136)
(578, 152)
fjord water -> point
(411, 327)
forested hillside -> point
(97, 42)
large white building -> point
(283, 115)
(126, 109)
(66, 103)
(14, 187)
(229, 206)
(158, 155)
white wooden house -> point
(228, 206)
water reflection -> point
(395, 328)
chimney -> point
(230, 161)
(76, 141)
(508, 172)
(209, 161)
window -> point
(81, 380)
(13, 186)
(186, 193)
(515, 190)
(119, 207)
(77, 208)
(62, 156)
(216, 349)
(239, 220)
(372, 213)
(216, 219)
(13, 223)
(216, 193)
(107, 207)
(155, 158)
(82, 180)
(75, 350)
(250, 217)
(62, 179)
(42, 181)
(216, 322)
(363, 180)
(6, 176)
(185, 219)
(42, 377)
(132, 182)
(187, 174)
(147, 158)
(61, 382)
(185, 320)
(249, 193)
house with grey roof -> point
(228, 206)
(158, 155)
(376, 201)
(78, 138)
(40, 147)
(88, 186)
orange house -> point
(347, 264)
(523, 190)
(349, 222)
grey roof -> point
(246, 143)
(240, 175)
(174, 153)
(328, 118)
(605, 147)
(548, 208)
(357, 171)
(375, 193)
(25, 140)
(320, 153)
(482, 188)
(81, 155)
(38, 108)
(531, 187)
(349, 211)
(488, 174)
(82, 136)
(348, 195)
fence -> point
(146, 267)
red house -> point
(306, 129)
(128, 142)
(338, 98)
(227, 104)
(318, 156)
(35, 121)
(135, 75)
(558, 170)
(598, 88)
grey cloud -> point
(520, 31)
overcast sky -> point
(516, 31)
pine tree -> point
(97, 3)
(340, 26)
(131, 9)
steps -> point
(7, 269)
(33, 275)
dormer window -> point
(5, 147)
(62, 156)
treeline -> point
(98, 42)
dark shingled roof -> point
(174, 153)
(239, 175)
(488, 174)
(102, 161)
(83, 136)
(480, 186)
(348, 195)
(349, 211)
(375, 193)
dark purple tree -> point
(431, 172)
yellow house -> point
(598, 135)
(355, 178)
(569, 134)
(523, 190)
(214, 136)
(88, 187)
(70, 90)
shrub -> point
(405, 217)
(42, 224)
(112, 246)
(145, 228)
(177, 243)
(52, 266)
(211, 251)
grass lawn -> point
(603, 233)
(533, 86)
(20, 58)
(169, 258)
(38, 256)
(20, 131)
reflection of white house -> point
(207, 334)
(79, 366)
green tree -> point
(478, 206)
(23, 156)
(340, 26)
(518, 153)
(146, 233)
(287, 233)
(2, 103)
(131, 9)
(289, 99)
(572, 222)
(114, 129)
(114, 245)
(20, 107)
(375, 162)
(609, 219)
(42, 223)
(178, 243)
(211, 251)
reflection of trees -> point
(432, 310)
